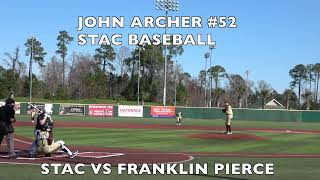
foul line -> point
(99, 157)
(26, 142)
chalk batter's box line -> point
(79, 155)
(25, 142)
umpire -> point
(6, 129)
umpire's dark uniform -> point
(6, 129)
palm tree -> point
(265, 91)
(185, 77)
(238, 87)
(218, 94)
(241, 92)
(307, 96)
(217, 72)
(202, 81)
(288, 95)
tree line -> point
(113, 73)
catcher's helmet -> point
(10, 101)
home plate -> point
(98, 155)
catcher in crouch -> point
(44, 142)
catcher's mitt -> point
(224, 110)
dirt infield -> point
(222, 136)
(91, 154)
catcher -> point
(34, 111)
(179, 118)
(44, 142)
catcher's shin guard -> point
(64, 148)
(34, 150)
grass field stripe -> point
(256, 155)
(33, 164)
(281, 131)
(17, 163)
(190, 158)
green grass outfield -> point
(187, 121)
(176, 141)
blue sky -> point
(272, 35)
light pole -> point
(139, 48)
(175, 84)
(166, 5)
(211, 47)
(206, 55)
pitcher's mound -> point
(222, 136)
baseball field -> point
(293, 148)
